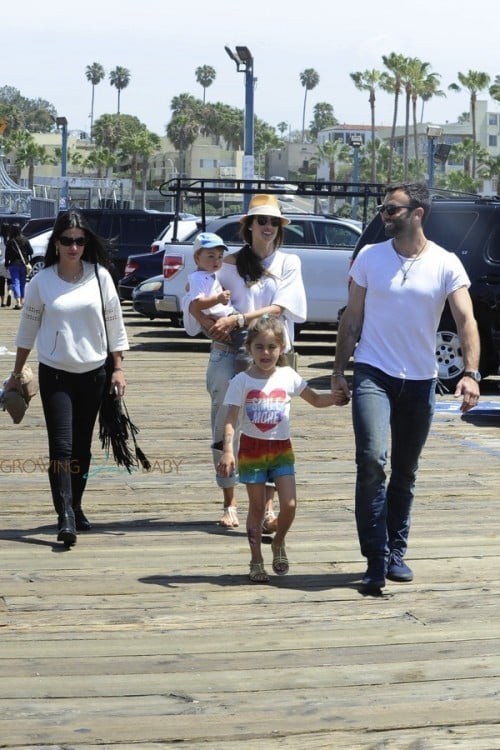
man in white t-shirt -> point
(398, 291)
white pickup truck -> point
(323, 243)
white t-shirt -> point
(401, 317)
(282, 285)
(202, 284)
(265, 403)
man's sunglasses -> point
(262, 220)
(392, 208)
(68, 241)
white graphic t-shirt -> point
(265, 403)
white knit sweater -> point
(66, 320)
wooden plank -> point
(147, 634)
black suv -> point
(128, 230)
(470, 227)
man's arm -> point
(347, 336)
(461, 308)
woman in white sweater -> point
(63, 312)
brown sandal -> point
(258, 573)
(280, 560)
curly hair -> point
(96, 249)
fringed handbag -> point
(116, 429)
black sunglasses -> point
(262, 221)
(68, 241)
(392, 208)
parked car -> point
(128, 231)
(324, 244)
(38, 225)
(470, 227)
(144, 297)
(141, 267)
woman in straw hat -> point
(262, 280)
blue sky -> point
(47, 46)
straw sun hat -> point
(265, 205)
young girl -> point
(261, 396)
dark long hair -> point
(96, 249)
(268, 324)
(248, 264)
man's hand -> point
(340, 390)
(469, 390)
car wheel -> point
(449, 357)
(37, 264)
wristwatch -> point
(240, 321)
(474, 374)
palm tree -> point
(424, 84)
(205, 76)
(393, 84)
(137, 147)
(27, 153)
(94, 73)
(120, 79)
(369, 80)
(182, 131)
(474, 81)
(309, 79)
(411, 73)
(334, 152)
(495, 89)
(323, 117)
(282, 127)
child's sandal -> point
(270, 522)
(280, 560)
(258, 573)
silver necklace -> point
(405, 269)
(75, 277)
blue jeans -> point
(220, 370)
(17, 279)
(382, 404)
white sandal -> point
(270, 522)
(229, 518)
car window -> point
(451, 229)
(230, 233)
(293, 234)
(334, 235)
(493, 245)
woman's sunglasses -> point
(262, 220)
(68, 241)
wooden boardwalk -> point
(147, 634)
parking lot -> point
(147, 634)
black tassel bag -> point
(116, 429)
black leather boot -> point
(78, 484)
(82, 523)
(67, 528)
(60, 485)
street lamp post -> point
(433, 132)
(356, 142)
(244, 64)
(62, 123)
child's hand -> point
(224, 297)
(226, 465)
